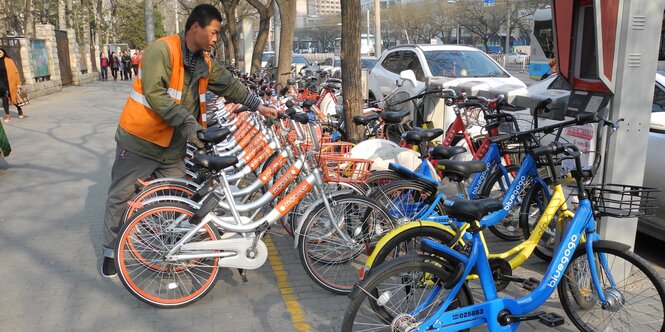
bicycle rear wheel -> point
(636, 298)
(142, 244)
(328, 258)
(159, 189)
(387, 300)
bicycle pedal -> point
(530, 284)
(550, 319)
(243, 274)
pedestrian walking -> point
(121, 67)
(135, 64)
(115, 64)
(127, 65)
(163, 113)
(9, 83)
(104, 63)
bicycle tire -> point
(505, 229)
(411, 274)
(535, 198)
(407, 243)
(393, 132)
(159, 189)
(382, 177)
(420, 196)
(331, 262)
(297, 212)
(576, 292)
(144, 272)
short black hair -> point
(203, 14)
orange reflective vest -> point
(138, 119)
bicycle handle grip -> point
(468, 104)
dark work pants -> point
(127, 168)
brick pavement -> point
(51, 208)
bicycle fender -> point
(602, 244)
(159, 199)
(390, 235)
(177, 180)
(301, 221)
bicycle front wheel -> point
(332, 249)
(388, 299)
(634, 291)
(140, 257)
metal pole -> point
(367, 30)
(177, 20)
(459, 30)
(377, 27)
(506, 50)
(149, 21)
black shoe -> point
(108, 268)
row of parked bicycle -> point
(404, 242)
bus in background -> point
(366, 45)
(542, 44)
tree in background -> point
(351, 88)
(287, 14)
(266, 12)
(130, 27)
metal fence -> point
(13, 48)
(512, 62)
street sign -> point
(489, 3)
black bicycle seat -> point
(419, 135)
(211, 121)
(365, 119)
(214, 135)
(467, 210)
(460, 170)
(334, 80)
(394, 117)
(308, 103)
(446, 152)
(215, 163)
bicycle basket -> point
(622, 201)
(344, 169)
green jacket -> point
(156, 70)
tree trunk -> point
(351, 73)
(98, 23)
(287, 12)
(230, 7)
(29, 21)
(228, 46)
(149, 21)
(265, 13)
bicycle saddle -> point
(334, 80)
(421, 135)
(308, 103)
(460, 170)
(467, 210)
(394, 117)
(214, 135)
(215, 163)
(211, 122)
(365, 119)
(446, 152)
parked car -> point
(518, 57)
(461, 63)
(265, 57)
(333, 66)
(297, 62)
(654, 172)
(368, 62)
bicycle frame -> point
(582, 224)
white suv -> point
(460, 63)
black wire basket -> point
(622, 201)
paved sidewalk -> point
(51, 207)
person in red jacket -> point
(135, 64)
